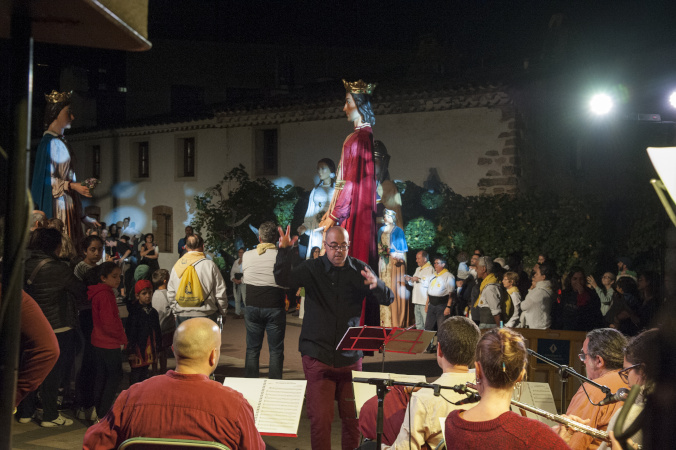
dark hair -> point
(52, 111)
(628, 285)
(86, 242)
(363, 103)
(458, 337)
(148, 234)
(47, 240)
(503, 356)
(160, 276)
(481, 252)
(442, 259)
(425, 254)
(609, 344)
(312, 252)
(332, 167)
(268, 232)
(194, 241)
(547, 270)
(640, 347)
(105, 269)
(124, 236)
(567, 285)
(126, 218)
(462, 257)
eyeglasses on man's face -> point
(335, 247)
(624, 373)
(583, 356)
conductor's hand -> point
(285, 239)
(370, 278)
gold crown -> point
(359, 87)
(58, 97)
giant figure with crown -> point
(353, 206)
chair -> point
(144, 443)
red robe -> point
(354, 206)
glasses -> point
(335, 247)
(624, 373)
(583, 356)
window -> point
(143, 160)
(163, 228)
(96, 161)
(189, 157)
(266, 152)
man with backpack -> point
(196, 287)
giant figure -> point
(353, 206)
(320, 199)
(54, 188)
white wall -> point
(450, 141)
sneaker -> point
(58, 422)
(24, 419)
(87, 414)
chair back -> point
(144, 443)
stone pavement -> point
(31, 436)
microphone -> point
(472, 397)
(619, 396)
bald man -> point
(184, 403)
(335, 287)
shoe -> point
(24, 419)
(58, 422)
(87, 414)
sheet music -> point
(364, 391)
(540, 396)
(277, 404)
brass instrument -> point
(577, 426)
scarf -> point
(490, 279)
(187, 260)
(264, 246)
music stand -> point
(385, 339)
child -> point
(167, 321)
(143, 332)
(108, 338)
(511, 281)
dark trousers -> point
(108, 377)
(435, 317)
(326, 384)
(138, 374)
(84, 384)
(49, 389)
(258, 321)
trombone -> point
(577, 426)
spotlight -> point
(672, 99)
(601, 104)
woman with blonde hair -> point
(500, 363)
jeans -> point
(239, 291)
(50, 386)
(326, 384)
(420, 316)
(258, 321)
(108, 376)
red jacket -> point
(108, 331)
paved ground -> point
(32, 436)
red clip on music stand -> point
(396, 340)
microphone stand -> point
(381, 390)
(564, 371)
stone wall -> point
(502, 163)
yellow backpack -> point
(189, 293)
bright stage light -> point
(672, 99)
(601, 104)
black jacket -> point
(54, 289)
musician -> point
(603, 357)
(500, 364)
(457, 337)
(637, 367)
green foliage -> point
(226, 209)
(431, 200)
(420, 234)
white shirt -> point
(427, 409)
(441, 284)
(425, 273)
